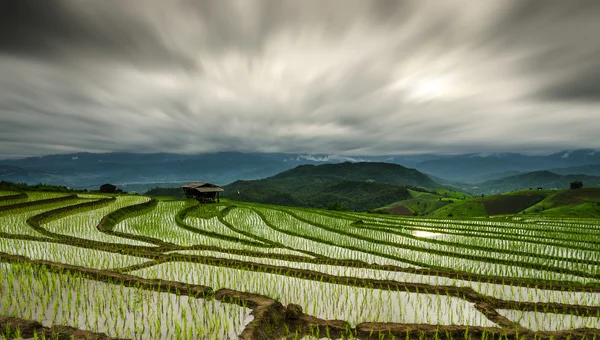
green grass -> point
(579, 203)
(455, 195)
(567, 200)
(462, 209)
(423, 195)
(423, 203)
(421, 207)
(588, 209)
(207, 211)
(7, 193)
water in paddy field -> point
(426, 234)
(118, 311)
(549, 321)
(327, 300)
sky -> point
(348, 77)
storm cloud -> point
(342, 77)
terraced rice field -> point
(134, 267)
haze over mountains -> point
(481, 167)
(142, 171)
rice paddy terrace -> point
(101, 267)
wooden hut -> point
(203, 192)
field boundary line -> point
(180, 221)
(497, 234)
(108, 222)
(11, 197)
(37, 202)
(521, 264)
(279, 245)
(326, 242)
(478, 247)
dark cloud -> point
(33, 26)
(581, 87)
(347, 76)
(562, 44)
(65, 29)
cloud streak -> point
(344, 77)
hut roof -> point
(203, 187)
(195, 185)
(209, 189)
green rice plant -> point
(294, 255)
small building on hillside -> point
(203, 192)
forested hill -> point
(364, 171)
(356, 186)
(531, 180)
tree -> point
(337, 206)
(576, 185)
(108, 188)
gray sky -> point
(311, 76)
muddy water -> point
(113, 309)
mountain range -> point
(138, 172)
(475, 168)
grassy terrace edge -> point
(37, 202)
(18, 196)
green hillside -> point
(451, 194)
(423, 202)
(583, 202)
(532, 180)
(351, 195)
(364, 171)
(461, 209)
(353, 186)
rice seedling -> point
(540, 273)
(114, 309)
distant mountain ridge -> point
(475, 167)
(90, 169)
(85, 170)
(142, 171)
(593, 170)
